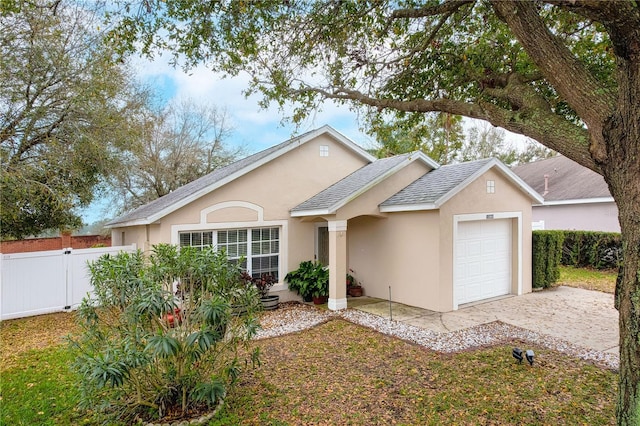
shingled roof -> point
(436, 187)
(162, 206)
(345, 190)
(566, 180)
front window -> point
(259, 247)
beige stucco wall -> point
(413, 251)
(400, 251)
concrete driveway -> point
(582, 317)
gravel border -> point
(296, 317)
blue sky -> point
(254, 129)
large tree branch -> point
(447, 7)
(591, 100)
(541, 124)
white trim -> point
(316, 227)
(337, 304)
(579, 201)
(407, 207)
(487, 216)
(316, 212)
(337, 225)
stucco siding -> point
(582, 217)
(400, 251)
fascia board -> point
(519, 182)
(136, 222)
(506, 172)
(446, 197)
(342, 139)
(579, 201)
(369, 185)
(304, 213)
(408, 207)
(426, 159)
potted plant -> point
(263, 284)
(354, 287)
(310, 278)
(320, 285)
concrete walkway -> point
(582, 317)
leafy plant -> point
(311, 279)
(263, 283)
(352, 282)
(145, 352)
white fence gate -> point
(47, 281)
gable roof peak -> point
(160, 207)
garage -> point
(482, 262)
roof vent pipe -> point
(546, 185)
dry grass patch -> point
(588, 279)
(21, 335)
(342, 373)
(339, 373)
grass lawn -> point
(341, 373)
(589, 279)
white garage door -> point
(482, 260)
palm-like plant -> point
(145, 352)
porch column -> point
(337, 264)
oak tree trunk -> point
(622, 172)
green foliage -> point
(600, 250)
(547, 253)
(460, 59)
(145, 352)
(439, 136)
(66, 108)
(311, 279)
(39, 389)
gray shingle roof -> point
(162, 203)
(434, 185)
(351, 185)
(568, 180)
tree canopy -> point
(177, 144)
(65, 107)
(563, 72)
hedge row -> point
(600, 250)
(547, 253)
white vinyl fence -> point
(47, 281)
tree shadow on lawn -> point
(342, 373)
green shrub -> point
(146, 352)
(547, 253)
(311, 279)
(600, 250)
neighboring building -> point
(439, 236)
(575, 198)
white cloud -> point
(255, 128)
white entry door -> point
(482, 260)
